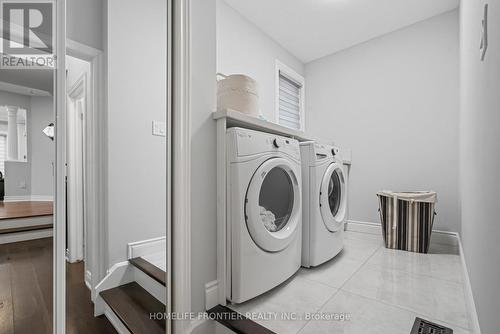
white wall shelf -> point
(235, 118)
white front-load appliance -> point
(324, 203)
(263, 211)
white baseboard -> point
(438, 237)
(363, 227)
(23, 198)
(29, 198)
(211, 294)
(146, 247)
(42, 198)
(469, 297)
(113, 319)
(25, 236)
(88, 279)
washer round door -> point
(333, 197)
(272, 204)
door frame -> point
(181, 166)
(59, 252)
(95, 165)
(76, 235)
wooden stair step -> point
(237, 322)
(134, 306)
(26, 228)
(149, 269)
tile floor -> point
(380, 290)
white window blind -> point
(290, 103)
(3, 153)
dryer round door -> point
(272, 204)
(333, 197)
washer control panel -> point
(250, 142)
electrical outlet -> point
(22, 184)
(159, 129)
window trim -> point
(292, 75)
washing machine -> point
(324, 203)
(264, 212)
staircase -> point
(133, 294)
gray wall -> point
(85, 22)
(12, 99)
(203, 146)
(394, 102)
(136, 86)
(17, 172)
(41, 149)
(243, 48)
(480, 159)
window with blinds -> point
(289, 98)
(3, 153)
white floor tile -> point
(334, 272)
(298, 296)
(443, 266)
(442, 300)
(360, 249)
(366, 316)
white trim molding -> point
(146, 247)
(469, 297)
(211, 294)
(181, 166)
(292, 75)
(29, 198)
(59, 253)
(439, 237)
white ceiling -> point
(311, 29)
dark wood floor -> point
(26, 209)
(26, 292)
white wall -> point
(245, 49)
(41, 148)
(203, 148)
(394, 102)
(136, 86)
(85, 22)
(480, 159)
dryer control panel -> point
(246, 142)
(326, 151)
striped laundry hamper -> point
(407, 219)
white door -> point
(272, 204)
(333, 197)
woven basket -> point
(407, 219)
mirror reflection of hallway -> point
(26, 201)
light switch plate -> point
(159, 129)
